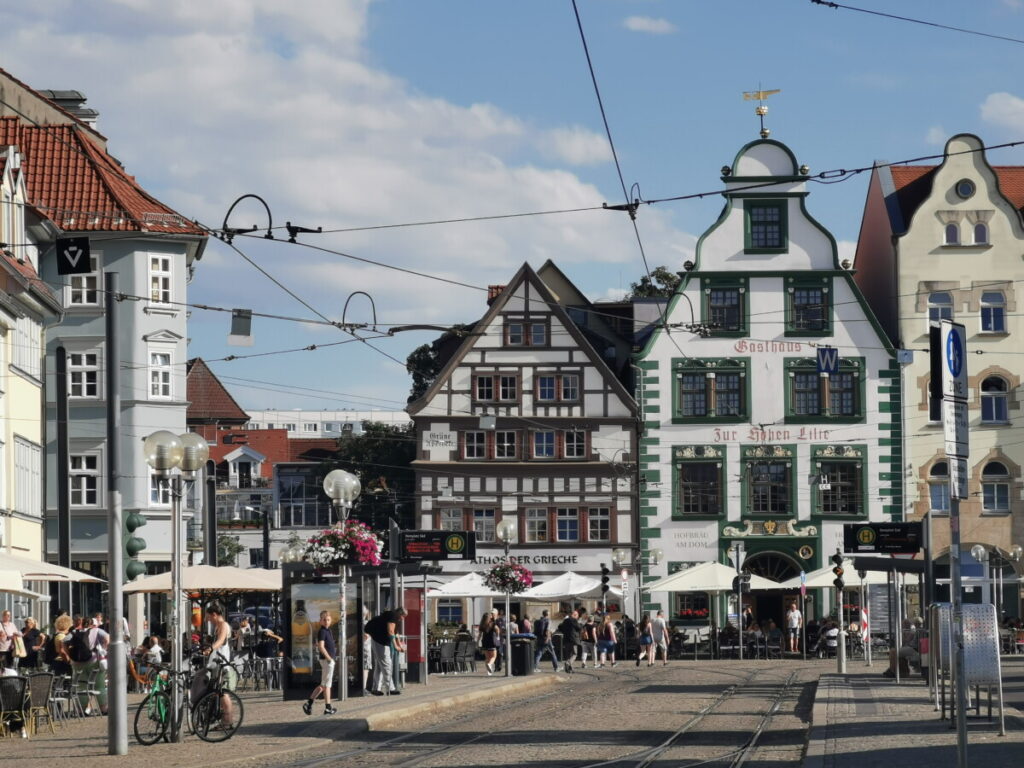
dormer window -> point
(765, 226)
(952, 234)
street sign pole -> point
(952, 353)
(803, 612)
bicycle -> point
(214, 717)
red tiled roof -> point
(914, 183)
(208, 399)
(311, 449)
(79, 187)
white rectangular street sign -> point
(958, 478)
(954, 360)
(954, 423)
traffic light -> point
(837, 558)
(605, 576)
(741, 583)
(133, 545)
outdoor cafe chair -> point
(446, 660)
(40, 689)
(465, 655)
(13, 703)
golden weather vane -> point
(762, 108)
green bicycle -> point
(215, 716)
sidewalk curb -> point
(381, 720)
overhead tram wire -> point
(949, 27)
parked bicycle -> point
(214, 713)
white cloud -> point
(1003, 110)
(650, 25)
(576, 146)
(936, 136)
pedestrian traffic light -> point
(133, 545)
(741, 583)
(605, 576)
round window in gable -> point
(965, 188)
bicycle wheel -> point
(215, 720)
(152, 717)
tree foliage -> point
(661, 283)
(228, 549)
(426, 361)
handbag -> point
(19, 647)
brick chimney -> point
(493, 292)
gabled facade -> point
(940, 242)
(75, 188)
(528, 420)
(744, 440)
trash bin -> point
(558, 643)
(522, 655)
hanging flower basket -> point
(509, 577)
(348, 543)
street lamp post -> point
(738, 554)
(507, 532)
(624, 558)
(342, 488)
(166, 451)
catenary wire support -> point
(227, 234)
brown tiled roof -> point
(81, 188)
(208, 400)
(311, 448)
(913, 184)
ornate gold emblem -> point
(770, 527)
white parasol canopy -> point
(569, 584)
(470, 585)
(823, 577)
(39, 570)
(706, 577)
(200, 577)
(10, 584)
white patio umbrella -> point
(10, 584)
(208, 577)
(470, 585)
(706, 577)
(569, 584)
(40, 570)
(823, 577)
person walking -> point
(794, 622)
(8, 631)
(660, 636)
(489, 641)
(542, 629)
(88, 651)
(645, 641)
(570, 629)
(328, 653)
(606, 640)
(383, 632)
(588, 641)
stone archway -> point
(772, 565)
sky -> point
(364, 113)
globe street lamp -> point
(342, 488)
(165, 452)
(507, 532)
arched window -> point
(938, 487)
(940, 306)
(952, 234)
(994, 400)
(993, 312)
(981, 233)
(995, 487)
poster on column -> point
(308, 600)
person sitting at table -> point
(269, 644)
(774, 633)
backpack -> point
(50, 650)
(79, 649)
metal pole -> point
(803, 622)
(423, 635)
(178, 646)
(898, 633)
(342, 511)
(117, 657)
(63, 479)
(929, 575)
(210, 514)
(860, 620)
(956, 587)
(841, 650)
(867, 595)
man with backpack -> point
(87, 647)
(570, 629)
(542, 629)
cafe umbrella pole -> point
(342, 488)
(507, 531)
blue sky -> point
(360, 113)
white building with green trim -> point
(744, 439)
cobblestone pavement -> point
(863, 719)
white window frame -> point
(534, 444)
(79, 369)
(942, 310)
(485, 525)
(997, 401)
(159, 493)
(451, 519)
(27, 355)
(578, 443)
(28, 478)
(508, 382)
(289, 427)
(84, 471)
(541, 398)
(570, 383)
(501, 444)
(1000, 486)
(310, 426)
(474, 444)
(568, 514)
(538, 519)
(161, 279)
(996, 312)
(939, 480)
(161, 374)
(82, 285)
(599, 515)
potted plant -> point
(348, 543)
(509, 577)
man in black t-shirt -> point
(383, 632)
(328, 652)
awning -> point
(197, 578)
(707, 577)
(40, 570)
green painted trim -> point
(652, 379)
(689, 365)
(681, 454)
(768, 201)
(792, 284)
(648, 364)
(746, 461)
(889, 492)
(793, 365)
(817, 459)
(737, 282)
(652, 425)
(887, 374)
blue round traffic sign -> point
(954, 353)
